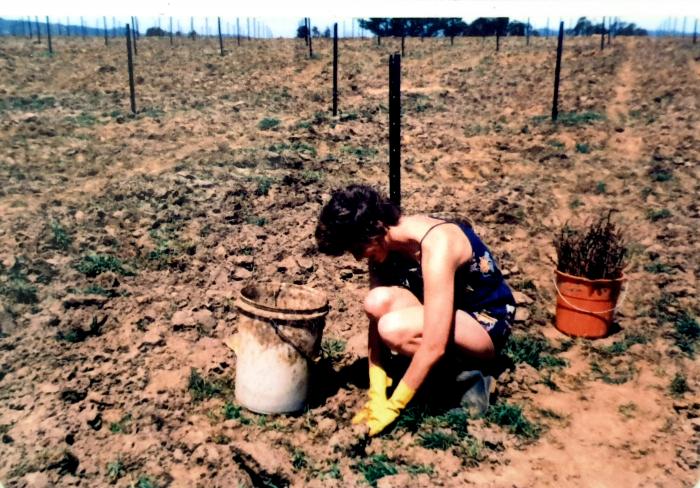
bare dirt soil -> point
(125, 240)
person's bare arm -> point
(439, 266)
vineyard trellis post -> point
(38, 29)
(311, 49)
(133, 36)
(602, 35)
(221, 39)
(557, 72)
(114, 27)
(395, 128)
(498, 39)
(104, 21)
(527, 32)
(171, 31)
(610, 28)
(403, 44)
(82, 27)
(48, 34)
(130, 64)
(29, 27)
(335, 69)
(695, 32)
(238, 31)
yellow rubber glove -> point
(384, 413)
(378, 383)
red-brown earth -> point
(194, 196)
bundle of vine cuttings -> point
(596, 251)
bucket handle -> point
(284, 338)
(623, 295)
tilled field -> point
(125, 240)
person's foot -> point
(477, 390)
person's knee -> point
(391, 331)
(378, 302)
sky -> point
(282, 17)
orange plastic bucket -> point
(585, 308)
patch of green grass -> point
(268, 123)
(264, 185)
(144, 482)
(686, 333)
(333, 472)
(511, 416)
(613, 377)
(123, 426)
(655, 215)
(296, 146)
(376, 467)
(83, 120)
(416, 469)
(600, 188)
(619, 347)
(201, 388)
(360, 152)
(679, 385)
(657, 267)
(660, 173)
(332, 348)
(255, 220)
(309, 177)
(411, 419)
(583, 148)
(579, 118)
(20, 291)
(575, 203)
(437, 439)
(115, 470)
(456, 419)
(33, 103)
(299, 460)
(92, 265)
(153, 112)
(60, 239)
(534, 350)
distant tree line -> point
(585, 27)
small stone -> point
(80, 217)
(240, 274)
(305, 263)
(521, 314)
(205, 318)
(327, 426)
(182, 318)
(521, 298)
(36, 480)
(206, 453)
(119, 214)
(178, 455)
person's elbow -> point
(432, 353)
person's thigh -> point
(402, 330)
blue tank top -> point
(479, 284)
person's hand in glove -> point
(383, 413)
(378, 383)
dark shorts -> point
(497, 323)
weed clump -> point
(686, 332)
(268, 123)
(597, 252)
(333, 349)
(533, 350)
(511, 416)
(201, 388)
(96, 264)
(60, 239)
(437, 439)
(679, 385)
(656, 215)
(376, 467)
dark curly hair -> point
(352, 218)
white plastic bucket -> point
(279, 334)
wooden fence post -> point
(498, 39)
(311, 49)
(335, 69)
(171, 31)
(557, 72)
(130, 63)
(395, 128)
(104, 21)
(238, 31)
(133, 36)
(221, 39)
(38, 29)
(48, 34)
(602, 35)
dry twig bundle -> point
(598, 251)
